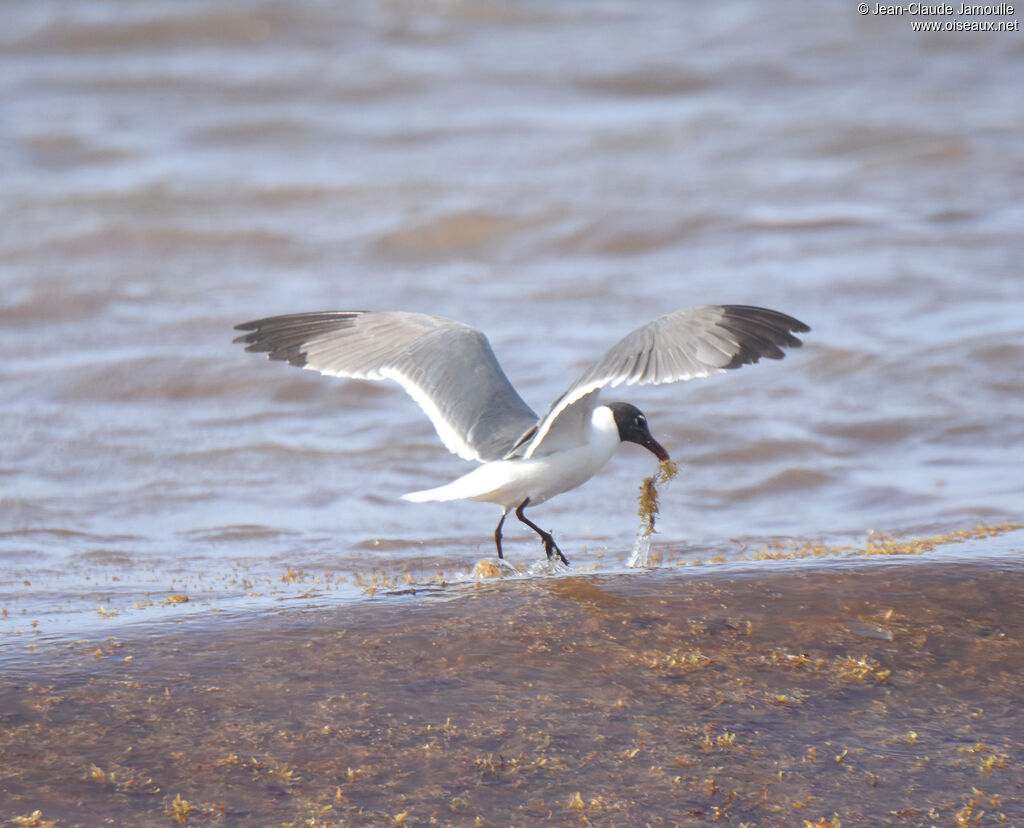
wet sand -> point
(860, 691)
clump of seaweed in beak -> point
(648, 511)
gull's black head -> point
(633, 428)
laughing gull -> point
(450, 370)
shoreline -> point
(772, 694)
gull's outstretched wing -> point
(447, 367)
(683, 345)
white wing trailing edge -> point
(448, 368)
(683, 345)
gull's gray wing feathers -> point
(445, 366)
(682, 345)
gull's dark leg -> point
(497, 534)
(550, 547)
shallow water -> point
(554, 176)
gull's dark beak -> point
(655, 448)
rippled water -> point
(554, 176)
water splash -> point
(648, 512)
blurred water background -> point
(554, 174)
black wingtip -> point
(272, 337)
(761, 332)
(287, 337)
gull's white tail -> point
(448, 492)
